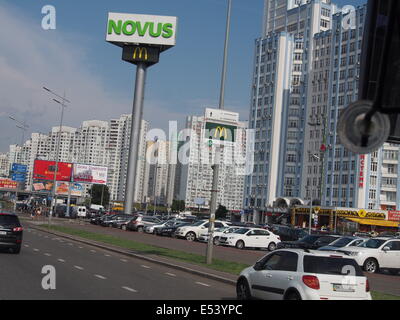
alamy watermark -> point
(49, 21)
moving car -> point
(250, 238)
(302, 274)
(138, 223)
(311, 241)
(343, 242)
(192, 232)
(11, 232)
(377, 253)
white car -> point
(343, 242)
(150, 228)
(251, 238)
(193, 231)
(302, 274)
(377, 253)
(217, 234)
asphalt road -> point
(84, 272)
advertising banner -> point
(394, 216)
(42, 186)
(44, 170)
(76, 189)
(8, 184)
(90, 174)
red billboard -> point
(394, 216)
(44, 170)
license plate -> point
(3, 233)
(343, 288)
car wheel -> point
(140, 229)
(123, 227)
(190, 236)
(240, 244)
(293, 296)
(272, 246)
(243, 290)
(371, 265)
(216, 241)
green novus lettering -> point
(125, 27)
(113, 27)
(168, 32)
(158, 32)
(141, 31)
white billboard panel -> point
(90, 174)
(124, 28)
(221, 115)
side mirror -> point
(386, 249)
(258, 266)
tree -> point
(221, 212)
(178, 205)
(96, 194)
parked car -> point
(80, 211)
(219, 232)
(117, 218)
(192, 232)
(121, 222)
(151, 228)
(250, 238)
(96, 219)
(287, 233)
(377, 254)
(343, 242)
(311, 241)
(100, 220)
(11, 232)
(138, 223)
(301, 274)
(170, 230)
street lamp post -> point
(63, 105)
(311, 198)
(215, 167)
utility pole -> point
(215, 167)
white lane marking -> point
(123, 260)
(47, 254)
(36, 250)
(203, 284)
(147, 267)
(93, 251)
(170, 274)
(129, 289)
(70, 244)
(80, 247)
(78, 267)
(61, 260)
(26, 245)
(107, 255)
(100, 276)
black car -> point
(170, 230)
(107, 222)
(287, 233)
(122, 221)
(99, 220)
(10, 232)
(312, 241)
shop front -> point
(343, 219)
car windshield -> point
(372, 243)
(241, 231)
(341, 242)
(198, 223)
(309, 239)
(331, 265)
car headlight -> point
(354, 253)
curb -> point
(139, 256)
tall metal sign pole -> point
(142, 38)
(215, 167)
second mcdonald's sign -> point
(135, 54)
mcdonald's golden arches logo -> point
(140, 53)
(222, 132)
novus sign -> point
(141, 29)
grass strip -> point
(383, 296)
(217, 264)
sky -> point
(76, 60)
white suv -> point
(377, 253)
(250, 238)
(217, 234)
(302, 274)
(193, 231)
